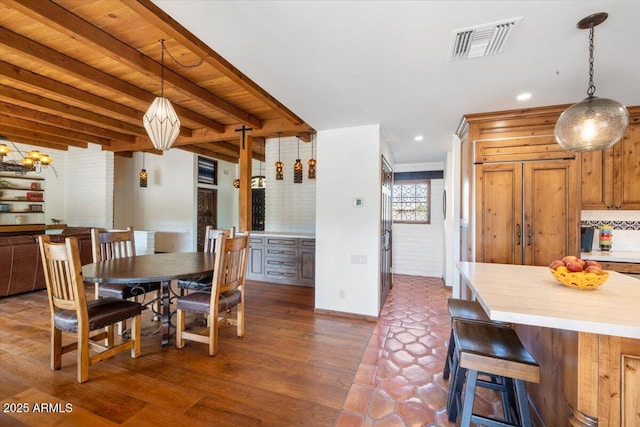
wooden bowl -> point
(580, 280)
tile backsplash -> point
(626, 228)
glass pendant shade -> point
(143, 178)
(592, 124)
(312, 168)
(297, 172)
(162, 123)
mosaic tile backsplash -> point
(626, 228)
(617, 225)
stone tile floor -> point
(399, 381)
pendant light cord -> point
(180, 64)
(162, 70)
(592, 88)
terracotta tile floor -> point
(399, 381)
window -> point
(412, 201)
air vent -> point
(481, 40)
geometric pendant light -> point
(161, 121)
(594, 123)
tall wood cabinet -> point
(610, 178)
(521, 191)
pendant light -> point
(143, 174)
(161, 121)
(312, 163)
(594, 123)
(279, 164)
(297, 167)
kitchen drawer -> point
(282, 242)
(281, 263)
(282, 251)
(277, 275)
(256, 240)
(307, 243)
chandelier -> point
(32, 162)
(594, 123)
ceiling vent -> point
(481, 40)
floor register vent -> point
(481, 40)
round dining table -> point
(162, 267)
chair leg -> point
(213, 336)
(469, 397)
(56, 348)
(240, 319)
(179, 328)
(83, 356)
(449, 360)
(135, 335)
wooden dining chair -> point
(71, 312)
(202, 283)
(226, 296)
(113, 244)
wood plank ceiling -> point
(74, 72)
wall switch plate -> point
(358, 202)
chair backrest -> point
(210, 236)
(112, 244)
(230, 264)
(63, 275)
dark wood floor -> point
(292, 368)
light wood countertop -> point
(530, 295)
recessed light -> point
(418, 138)
(524, 96)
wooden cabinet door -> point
(499, 214)
(626, 174)
(597, 179)
(550, 211)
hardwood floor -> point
(292, 368)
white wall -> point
(289, 206)
(418, 249)
(343, 230)
(452, 221)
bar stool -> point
(465, 310)
(484, 349)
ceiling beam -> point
(39, 143)
(270, 129)
(61, 122)
(166, 23)
(196, 149)
(85, 72)
(43, 138)
(51, 130)
(54, 16)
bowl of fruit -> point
(576, 273)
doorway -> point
(207, 213)
(386, 219)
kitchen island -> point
(586, 342)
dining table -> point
(150, 268)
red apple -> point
(574, 267)
(594, 269)
(568, 259)
(581, 262)
(555, 264)
(592, 262)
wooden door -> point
(386, 218)
(207, 213)
(499, 215)
(550, 211)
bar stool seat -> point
(466, 310)
(485, 349)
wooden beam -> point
(269, 129)
(38, 142)
(85, 72)
(166, 23)
(61, 122)
(67, 23)
(244, 217)
(38, 136)
(74, 95)
(198, 150)
(51, 130)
